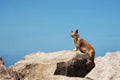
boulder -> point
(78, 66)
(12, 73)
(59, 77)
(107, 67)
(4, 75)
(62, 65)
(47, 66)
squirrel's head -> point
(75, 34)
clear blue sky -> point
(28, 26)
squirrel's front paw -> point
(75, 49)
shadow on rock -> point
(79, 66)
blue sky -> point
(28, 26)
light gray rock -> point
(107, 67)
(79, 66)
(58, 77)
(12, 73)
(4, 75)
(59, 65)
(40, 66)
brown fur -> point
(82, 45)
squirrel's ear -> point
(76, 31)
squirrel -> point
(82, 46)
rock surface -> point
(58, 77)
(39, 66)
(107, 67)
(60, 65)
(4, 75)
(79, 66)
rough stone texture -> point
(12, 73)
(58, 77)
(1, 61)
(79, 66)
(4, 75)
(39, 66)
(107, 67)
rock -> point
(76, 67)
(42, 66)
(12, 73)
(62, 65)
(58, 77)
(4, 75)
(107, 67)
(1, 61)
